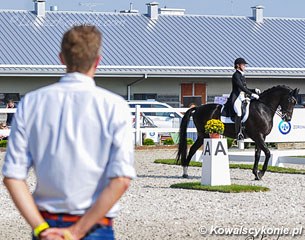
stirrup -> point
(240, 136)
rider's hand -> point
(258, 91)
(254, 96)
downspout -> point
(132, 83)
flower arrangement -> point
(214, 126)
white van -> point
(168, 119)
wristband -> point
(40, 228)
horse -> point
(279, 99)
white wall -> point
(116, 85)
(23, 85)
(149, 85)
(161, 86)
(221, 86)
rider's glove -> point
(254, 96)
(258, 91)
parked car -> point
(167, 119)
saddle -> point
(228, 114)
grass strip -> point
(274, 169)
(234, 188)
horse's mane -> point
(269, 90)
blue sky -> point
(273, 8)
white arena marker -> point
(215, 166)
(197, 156)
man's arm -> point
(108, 197)
(24, 201)
(15, 170)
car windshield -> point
(156, 114)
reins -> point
(276, 111)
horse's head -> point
(288, 101)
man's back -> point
(78, 138)
(73, 128)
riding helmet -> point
(240, 61)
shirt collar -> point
(242, 73)
(77, 77)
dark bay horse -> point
(279, 99)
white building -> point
(164, 54)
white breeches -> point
(238, 103)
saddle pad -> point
(225, 119)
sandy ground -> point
(152, 210)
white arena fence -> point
(294, 131)
(3, 112)
(284, 132)
(139, 131)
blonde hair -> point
(80, 48)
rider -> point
(239, 93)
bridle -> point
(282, 113)
(291, 99)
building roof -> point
(133, 44)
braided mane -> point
(269, 90)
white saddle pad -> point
(229, 120)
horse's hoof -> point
(185, 175)
(257, 177)
(261, 174)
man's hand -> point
(60, 234)
(254, 96)
(50, 236)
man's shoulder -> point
(110, 96)
(111, 103)
(96, 92)
(40, 91)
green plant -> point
(3, 143)
(168, 141)
(189, 141)
(148, 142)
(214, 126)
(230, 142)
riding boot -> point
(238, 128)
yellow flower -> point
(214, 126)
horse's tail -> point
(182, 149)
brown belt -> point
(73, 218)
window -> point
(144, 96)
(193, 93)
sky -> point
(273, 8)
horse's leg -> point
(265, 166)
(261, 144)
(194, 148)
(257, 157)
